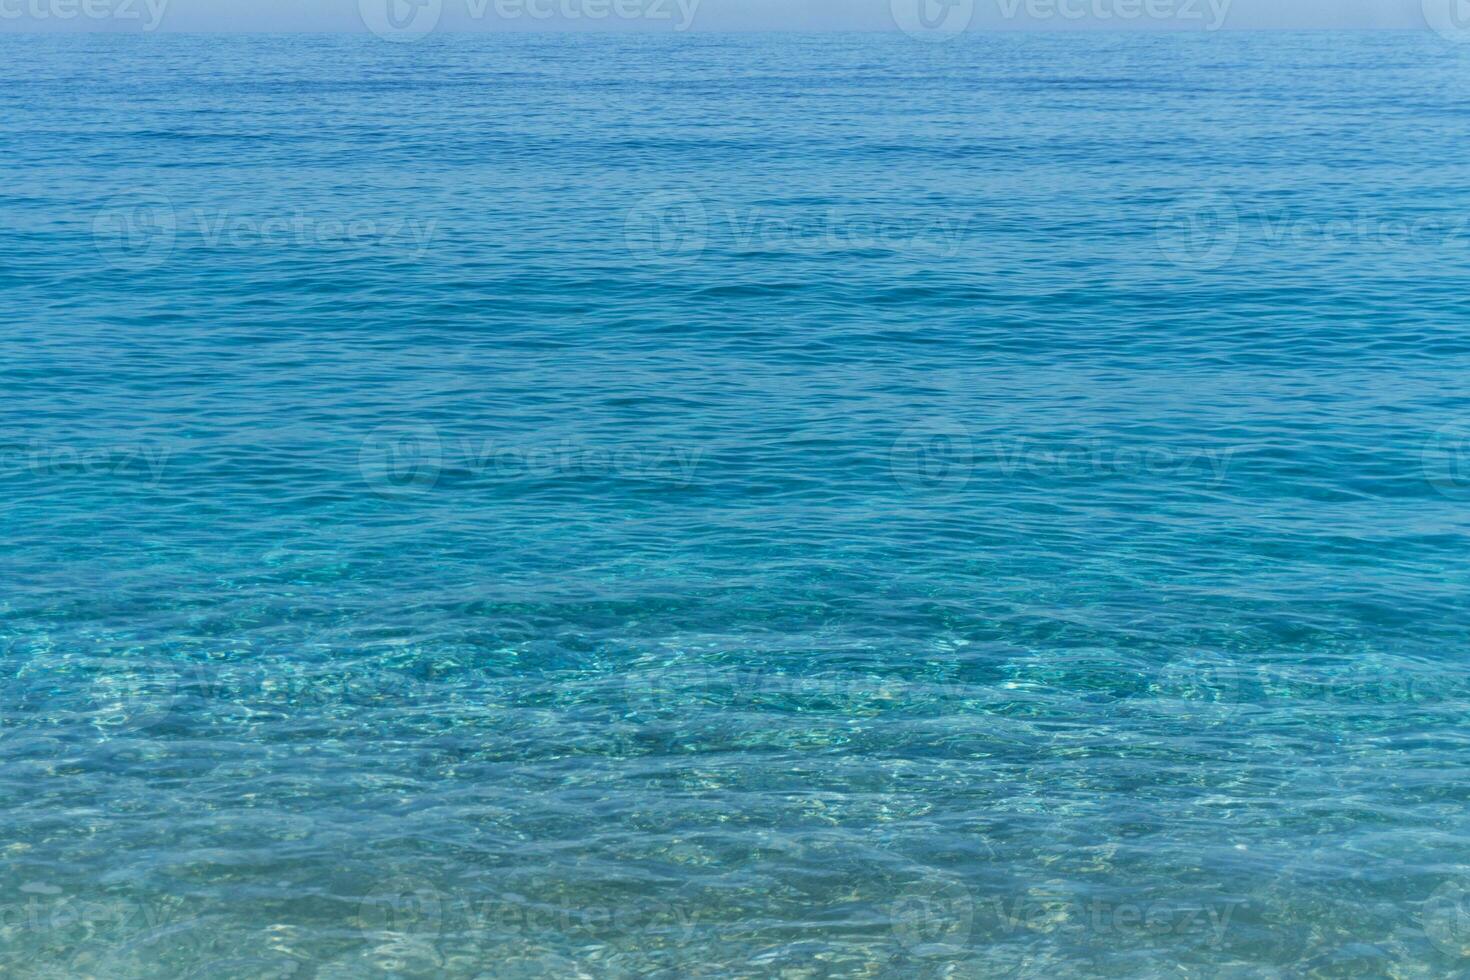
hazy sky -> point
(670, 15)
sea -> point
(751, 505)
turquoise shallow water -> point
(747, 506)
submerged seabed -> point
(734, 506)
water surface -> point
(734, 506)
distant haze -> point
(675, 15)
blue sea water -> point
(734, 506)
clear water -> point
(734, 506)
